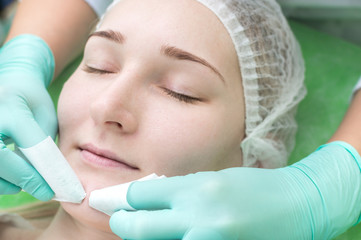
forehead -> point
(187, 24)
(177, 17)
(168, 9)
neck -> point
(64, 226)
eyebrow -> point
(111, 35)
(180, 54)
(169, 51)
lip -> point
(103, 158)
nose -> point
(113, 108)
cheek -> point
(72, 105)
(193, 141)
(72, 112)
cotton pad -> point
(55, 169)
(114, 198)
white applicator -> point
(111, 199)
(55, 169)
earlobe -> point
(258, 164)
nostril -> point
(117, 124)
(114, 124)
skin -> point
(65, 50)
(68, 23)
(348, 130)
(124, 98)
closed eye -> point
(182, 97)
(89, 69)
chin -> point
(87, 216)
(92, 178)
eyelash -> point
(89, 69)
(181, 97)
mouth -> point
(103, 158)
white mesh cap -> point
(272, 71)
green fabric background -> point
(333, 66)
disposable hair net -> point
(272, 71)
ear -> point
(257, 164)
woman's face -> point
(158, 91)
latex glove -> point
(27, 113)
(316, 198)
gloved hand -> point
(27, 113)
(316, 198)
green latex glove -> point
(27, 113)
(316, 198)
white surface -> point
(99, 6)
(54, 168)
(111, 199)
